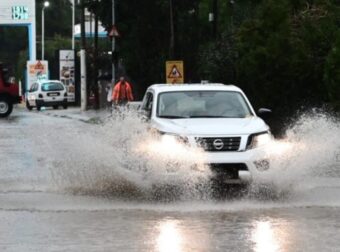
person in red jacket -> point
(122, 92)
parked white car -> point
(47, 93)
(216, 117)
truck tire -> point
(6, 107)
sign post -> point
(66, 72)
(83, 91)
(174, 72)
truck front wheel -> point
(6, 107)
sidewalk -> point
(73, 112)
(89, 116)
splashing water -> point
(309, 152)
(122, 158)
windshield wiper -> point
(172, 116)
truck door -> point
(146, 108)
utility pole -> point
(83, 80)
(46, 4)
(232, 6)
(73, 22)
(82, 24)
(96, 21)
(232, 3)
(113, 43)
(172, 31)
(83, 77)
(43, 33)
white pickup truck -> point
(216, 117)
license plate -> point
(53, 94)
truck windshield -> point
(52, 86)
(202, 104)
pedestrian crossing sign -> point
(174, 72)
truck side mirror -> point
(264, 113)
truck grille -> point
(219, 143)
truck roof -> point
(191, 87)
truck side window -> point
(147, 104)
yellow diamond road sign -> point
(174, 72)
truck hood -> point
(211, 126)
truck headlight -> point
(258, 140)
(171, 139)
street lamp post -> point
(113, 43)
(172, 31)
(46, 4)
(73, 22)
(232, 3)
(233, 72)
(215, 18)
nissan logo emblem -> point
(218, 144)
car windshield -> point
(202, 104)
(52, 86)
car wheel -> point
(55, 107)
(6, 107)
(65, 106)
(28, 106)
(38, 108)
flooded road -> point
(67, 185)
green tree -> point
(218, 56)
(282, 53)
(314, 29)
(264, 50)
